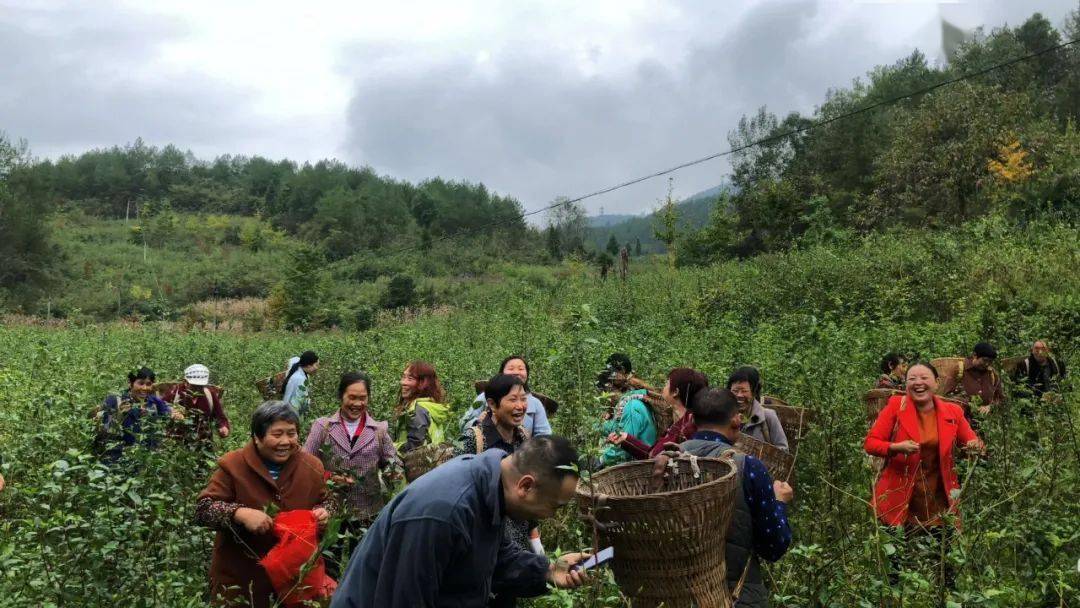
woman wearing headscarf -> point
(297, 389)
(270, 472)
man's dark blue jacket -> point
(440, 543)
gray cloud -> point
(534, 126)
(79, 78)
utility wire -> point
(766, 140)
(810, 127)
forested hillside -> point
(138, 231)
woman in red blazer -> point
(916, 434)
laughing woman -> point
(135, 416)
(421, 415)
(917, 434)
(270, 472)
(500, 427)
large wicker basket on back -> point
(271, 388)
(795, 420)
(781, 464)
(876, 400)
(424, 458)
(669, 544)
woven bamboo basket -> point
(781, 464)
(160, 388)
(772, 400)
(662, 412)
(876, 400)
(947, 367)
(271, 388)
(425, 458)
(669, 544)
(1011, 364)
(795, 420)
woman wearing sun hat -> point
(202, 402)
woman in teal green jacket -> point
(630, 416)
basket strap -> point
(742, 580)
(479, 434)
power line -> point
(806, 128)
(770, 139)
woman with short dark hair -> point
(916, 434)
(354, 446)
(536, 416)
(500, 427)
(893, 369)
(759, 422)
(135, 416)
(269, 472)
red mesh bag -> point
(298, 542)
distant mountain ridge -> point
(694, 212)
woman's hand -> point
(321, 516)
(975, 447)
(176, 415)
(253, 520)
(618, 438)
(342, 480)
(907, 446)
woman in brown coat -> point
(269, 470)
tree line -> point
(1002, 142)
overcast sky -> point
(535, 99)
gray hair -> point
(270, 412)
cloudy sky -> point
(535, 99)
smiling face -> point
(743, 394)
(279, 443)
(921, 383)
(516, 367)
(140, 388)
(409, 382)
(510, 411)
(354, 401)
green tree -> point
(667, 223)
(25, 246)
(400, 292)
(301, 299)
(637, 247)
(612, 245)
(554, 243)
